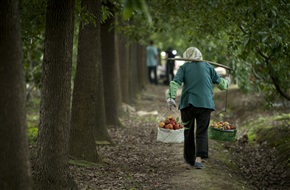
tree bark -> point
(123, 52)
(51, 171)
(134, 78)
(272, 75)
(276, 84)
(14, 154)
(87, 85)
(142, 72)
(111, 78)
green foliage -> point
(265, 35)
(32, 30)
(105, 13)
(131, 6)
(85, 16)
(251, 37)
(32, 127)
(32, 118)
(32, 135)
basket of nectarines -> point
(223, 129)
(170, 130)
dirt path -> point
(217, 174)
(138, 161)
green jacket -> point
(197, 79)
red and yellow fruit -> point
(169, 126)
(170, 123)
(161, 124)
(223, 125)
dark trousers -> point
(195, 145)
(154, 70)
(169, 71)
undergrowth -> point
(273, 131)
(32, 117)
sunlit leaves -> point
(131, 6)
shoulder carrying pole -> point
(197, 60)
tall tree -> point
(14, 159)
(123, 52)
(133, 72)
(51, 171)
(111, 78)
(86, 123)
(141, 66)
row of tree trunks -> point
(103, 80)
(133, 71)
(137, 70)
(14, 161)
(97, 95)
(51, 171)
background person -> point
(151, 62)
(196, 103)
(170, 64)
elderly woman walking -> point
(196, 103)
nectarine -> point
(161, 124)
(169, 126)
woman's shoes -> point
(198, 165)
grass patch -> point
(272, 130)
(32, 118)
(253, 126)
(265, 126)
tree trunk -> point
(87, 84)
(134, 79)
(124, 68)
(142, 70)
(51, 171)
(14, 154)
(273, 75)
(111, 78)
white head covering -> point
(192, 53)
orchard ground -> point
(139, 161)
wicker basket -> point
(220, 134)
